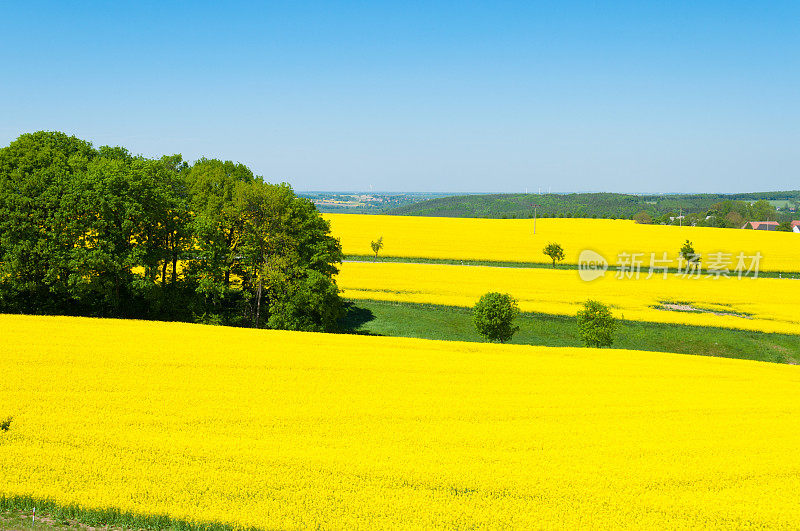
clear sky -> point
(642, 96)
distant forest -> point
(724, 210)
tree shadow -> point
(354, 318)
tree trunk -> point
(174, 260)
(258, 301)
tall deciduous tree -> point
(214, 187)
(36, 172)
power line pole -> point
(534, 218)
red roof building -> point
(761, 225)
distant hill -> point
(584, 205)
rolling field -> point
(285, 430)
(765, 305)
(513, 240)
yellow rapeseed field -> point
(763, 304)
(513, 240)
(296, 430)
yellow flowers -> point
(763, 304)
(513, 240)
(290, 430)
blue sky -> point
(431, 96)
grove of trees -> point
(101, 232)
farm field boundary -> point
(522, 265)
(454, 323)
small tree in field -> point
(494, 316)
(555, 252)
(377, 245)
(688, 254)
(596, 324)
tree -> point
(643, 218)
(761, 210)
(287, 260)
(377, 245)
(734, 220)
(37, 171)
(555, 252)
(687, 253)
(214, 188)
(596, 325)
(494, 316)
(117, 209)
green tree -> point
(288, 259)
(176, 217)
(555, 252)
(596, 325)
(377, 245)
(734, 220)
(215, 188)
(761, 210)
(688, 253)
(643, 218)
(494, 316)
(117, 209)
(37, 171)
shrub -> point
(596, 324)
(494, 316)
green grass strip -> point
(526, 265)
(67, 514)
(451, 323)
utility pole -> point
(534, 218)
(680, 218)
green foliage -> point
(751, 206)
(643, 218)
(596, 325)
(688, 253)
(494, 316)
(35, 222)
(102, 232)
(554, 251)
(377, 245)
(106, 517)
(310, 302)
(5, 424)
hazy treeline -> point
(101, 232)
